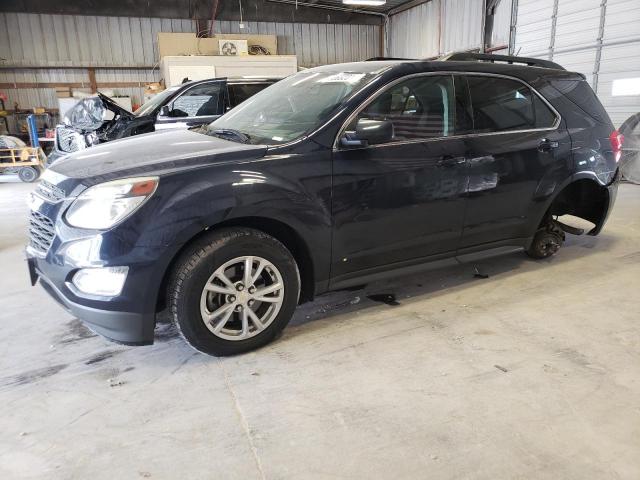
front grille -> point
(50, 192)
(41, 232)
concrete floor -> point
(531, 373)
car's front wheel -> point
(233, 290)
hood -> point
(114, 107)
(152, 154)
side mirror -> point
(369, 132)
(165, 111)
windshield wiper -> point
(229, 132)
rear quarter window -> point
(580, 94)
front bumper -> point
(130, 328)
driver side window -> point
(200, 101)
(421, 107)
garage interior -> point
(503, 368)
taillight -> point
(616, 139)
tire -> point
(223, 253)
(545, 244)
(28, 174)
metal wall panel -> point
(502, 25)
(620, 57)
(414, 33)
(533, 28)
(32, 39)
(577, 45)
(315, 43)
(435, 28)
(577, 23)
(461, 25)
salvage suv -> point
(330, 178)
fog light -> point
(106, 282)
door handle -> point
(448, 161)
(547, 145)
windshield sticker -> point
(343, 77)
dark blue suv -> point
(331, 178)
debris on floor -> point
(501, 368)
(387, 298)
(114, 382)
(478, 274)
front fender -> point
(282, 189)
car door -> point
(399, 200)
(515, 155)
(197, 105)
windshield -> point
(154, 102)
(291, 107)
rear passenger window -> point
(501, 105)
(422, 107)
(545, 118)
(239, 92)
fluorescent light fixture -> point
(625, 86)
(372, 3)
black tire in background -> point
(28, 174)
(630, 161)
(200, 260)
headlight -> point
(106, 204)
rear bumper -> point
(612, 193)
(129, 328)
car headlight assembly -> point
(104, 205)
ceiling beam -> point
(252, 10)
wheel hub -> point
(242, 298)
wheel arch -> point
(282, 232)
(582, 196)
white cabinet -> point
(176, 69)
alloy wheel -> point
(242, 298)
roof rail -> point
(375, 59)
(511, 59)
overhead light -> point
(372, 3)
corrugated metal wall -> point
(502, 25)
(415, 33)
(599, 38)
(59, 40)
(444, 26)
(461, 25)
